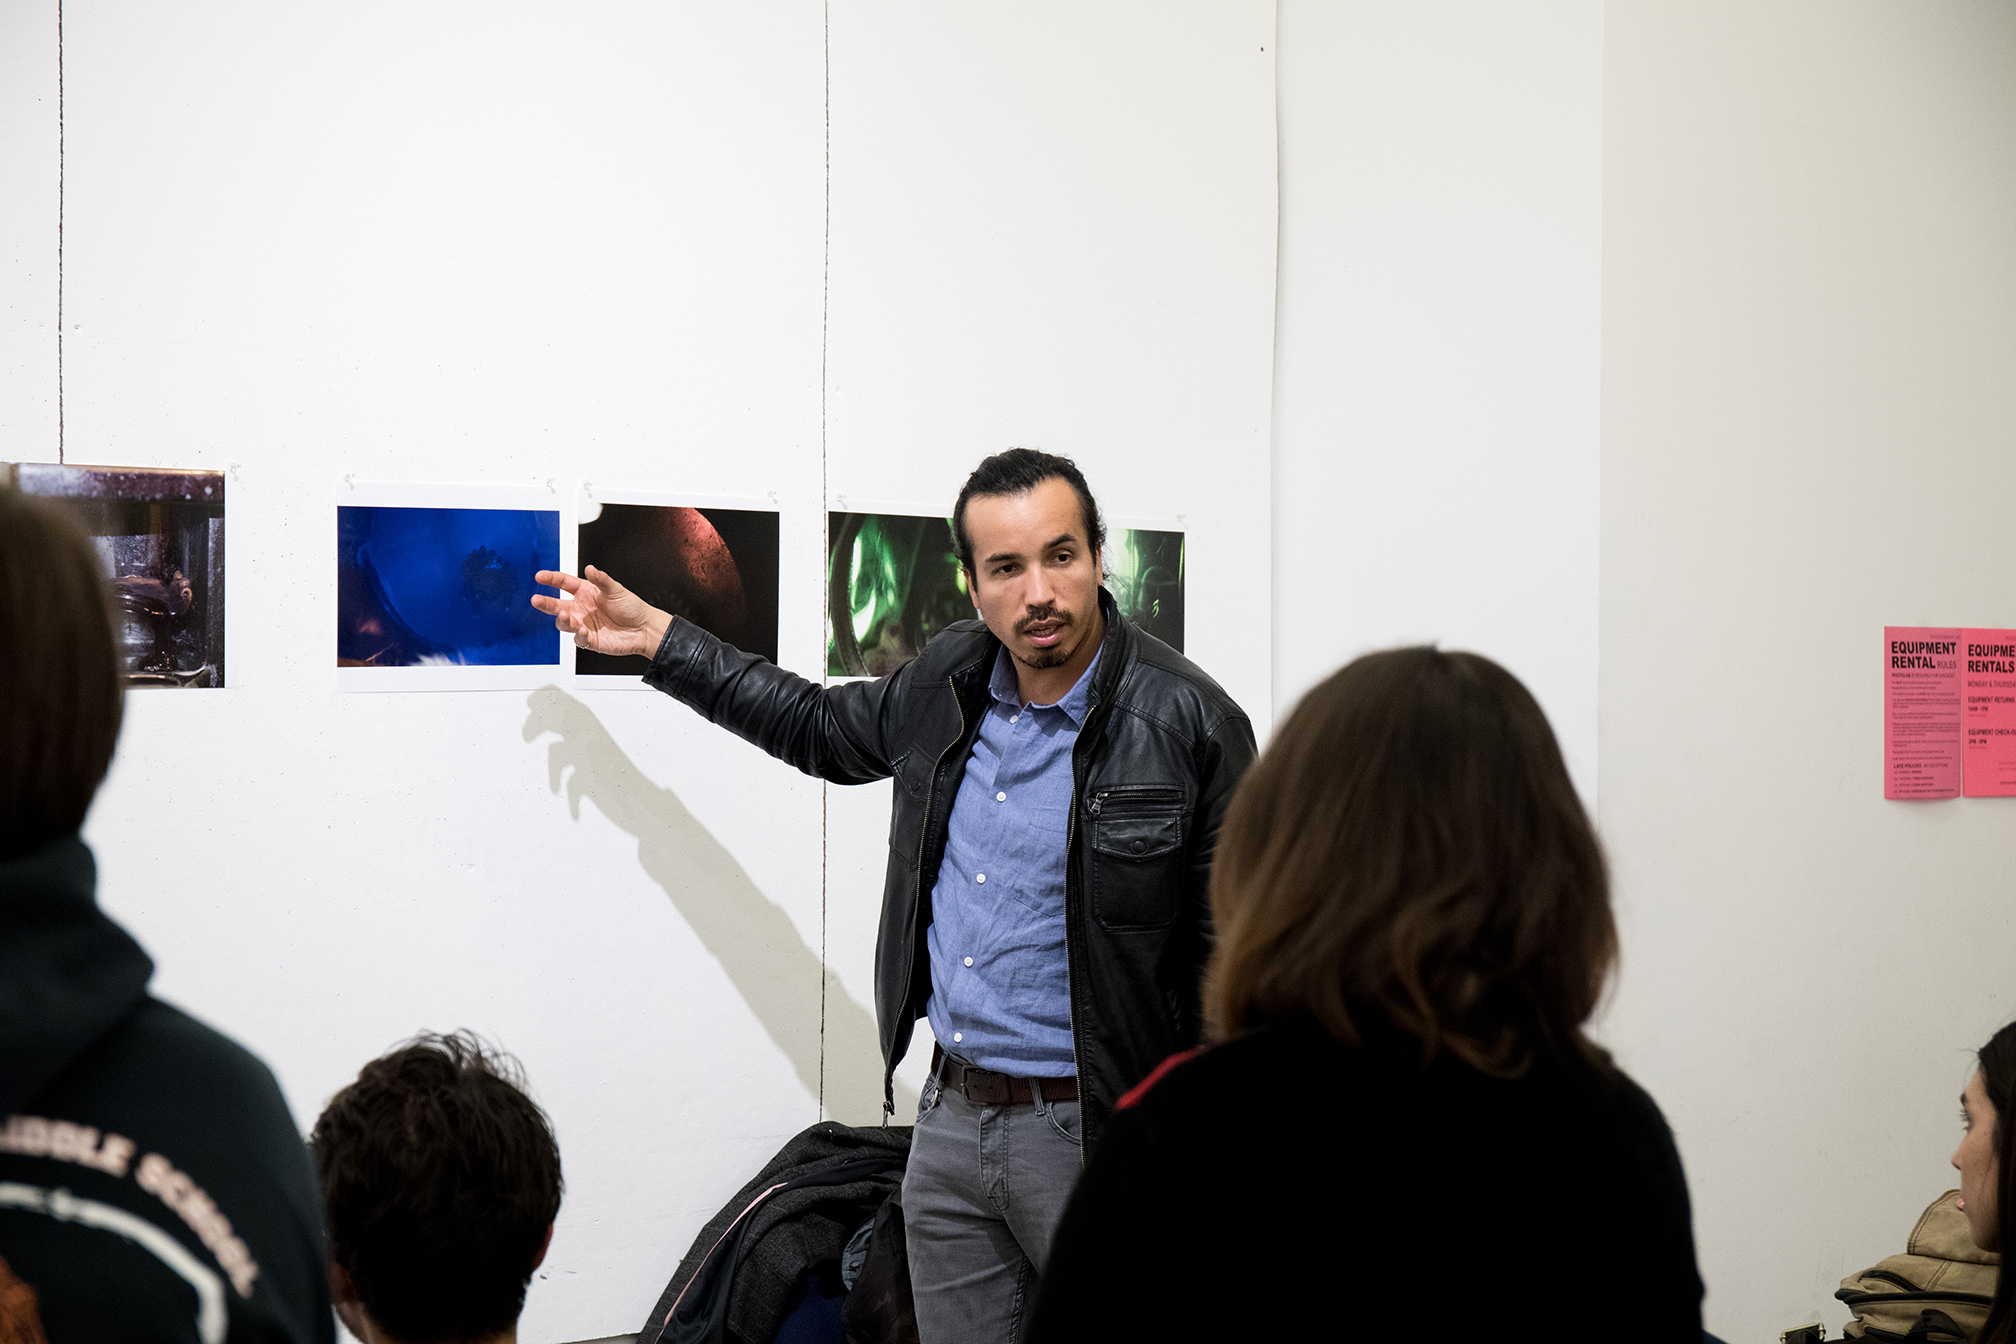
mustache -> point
(1045, 612)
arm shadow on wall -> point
(778, 976)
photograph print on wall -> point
(437, 595)
(1144, 572)
(159, 534)
(894, 580)
(714, 566)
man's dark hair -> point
(1017, 472)
(1409, 856)
(440, 1178)
(61, 682)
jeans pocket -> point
(1063, 1117)
(927, 1100)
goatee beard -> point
(1055, 656)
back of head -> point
(441, 1178)
(1409, 856)
(60, 679)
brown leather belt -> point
(984, 1087)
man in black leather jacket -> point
(1114, 839)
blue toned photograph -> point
(443, 587)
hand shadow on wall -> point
(778, 976)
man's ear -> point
(973, 590)
(545, 1244)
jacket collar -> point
(1114, 651)
(67, 972)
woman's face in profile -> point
(1976, 1161)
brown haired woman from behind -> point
(1402, 1131)
(1986, 1160)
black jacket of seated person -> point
(152, 1183)
(1284, 1185)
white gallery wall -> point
(1436, 377)
(1809, 385)
(1696, 318)
(525, 245)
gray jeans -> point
(981, 1196)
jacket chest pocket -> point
(1138, 872)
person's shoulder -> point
(177, 1125)
(1599, 1086)
(1628, 1107)
(1204, 1079)
(1162, 685)
(159, 1031)
(160, 1067)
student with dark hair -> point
(442, 1180)
(1986, 1160)
(1059, 779)
(1401, 1131)
(152, 1183)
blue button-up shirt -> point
(1000, 984)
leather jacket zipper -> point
(1077, 1056)
(1070, 931)
(917, 898)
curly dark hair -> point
(441, 1178)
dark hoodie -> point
(152, 1184)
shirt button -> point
(981, 878)
(1000, 797)
(1014, 718)
(969, 961)
(958, 1036)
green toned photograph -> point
(894, 580)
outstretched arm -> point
(835, 732)
(601, 613)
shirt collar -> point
(1075, 702)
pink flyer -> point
(1988, 680)
(1921, 712)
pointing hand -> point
(601, 613)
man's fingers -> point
(553, 578)
(603, 581)
(565, 614)
(554, 606)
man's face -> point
(1035, 576)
